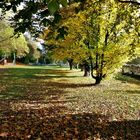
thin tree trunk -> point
(37, 60)
(70, 63)
(14, 59)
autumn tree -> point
(111, 36)
(110, 32)
(33, 15)
(69, 50)
(67, 38)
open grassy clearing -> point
(54, 103)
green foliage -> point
(66, 38)
(34, 53)
(53, 5)
(135, 61)
(24, 16)
(10, 43)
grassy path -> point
(51, 103)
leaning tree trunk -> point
(70, 61)
(98, 77)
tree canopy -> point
(34, 15)
(10, 43)
(104, 34)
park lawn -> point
(53, 103)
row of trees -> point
(99, 34)
(16, 47)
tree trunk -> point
(14, 59)
(70, 65)
(37, 61)
(98, 80)
(81, 67)
(70, 61)
(44, 61)
(86, 70)
(76, 66)
(86, 73)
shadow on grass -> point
(49, 124)
(35, 77)
(19, 87)
(133, 79)
(69, 85)
(30, 93)
(125, 92)
(37, 90)
(15, 80)
(32, 73)
(137, 77)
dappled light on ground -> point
(56, 104)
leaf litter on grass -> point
(67, 107)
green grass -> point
(42, 97)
